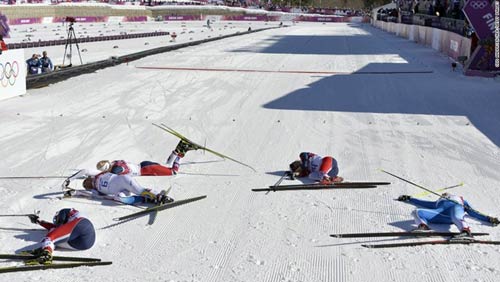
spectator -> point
(430, 11)
(33, 64)
(46, 63)
(3, 46)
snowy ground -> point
(404, 111)
(94, 51)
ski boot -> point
(465, 235)
(148, 196)
(162, 198)
(183, 147)
(69, 192)
(422, 227)
(327, 180)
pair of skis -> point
(182, 137)
(452, 240)
(31, 263)
(144, 211)
(318, 186)
(159, 208)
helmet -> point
(296, 166)
(63, 216)
(103, 165)
(88, 183)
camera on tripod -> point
(70, 20)
(70, 41)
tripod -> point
(70, 40)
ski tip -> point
(336, 235)
(367, 246)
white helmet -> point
(103, 165)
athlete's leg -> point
(83, 235)
(151, 168)
(457, 215)
(426, 216)
(326, 165)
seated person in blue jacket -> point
(34, 64)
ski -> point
(339, 184)
(84, 194)
(311, 187)
(401, 234)
(182, 137)
(32, 177)
(51, 266)
(434, 242)
(28, 256)
(160, 208)
(363, 183)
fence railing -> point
(449, 24)
(44, 43)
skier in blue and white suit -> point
(447, 209)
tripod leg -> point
(68, 41)
(77, 47)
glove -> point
(65, 183)
(33, 218)
(290, 174)
(69, 193)
(404, 198)
(494, 221)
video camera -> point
(70, 20)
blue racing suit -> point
(449, 209)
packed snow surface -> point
(366, 97)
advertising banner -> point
(302, 18)
(25, 21)
(4, 27)
(12, 74)
(245, 18)
(99, 19)
(135, 19)
(484, 18)
(182, 18)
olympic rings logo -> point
(8, 73)
(478, 5)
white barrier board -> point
(12, 74)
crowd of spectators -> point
(256, 4)
(443, 14)
(440, 8)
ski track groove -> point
(225, 253)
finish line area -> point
(282, 71)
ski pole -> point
(281, 179)
(10, 215)
(412, 183)
(31, 177)
(439, 190)
(430, 191)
